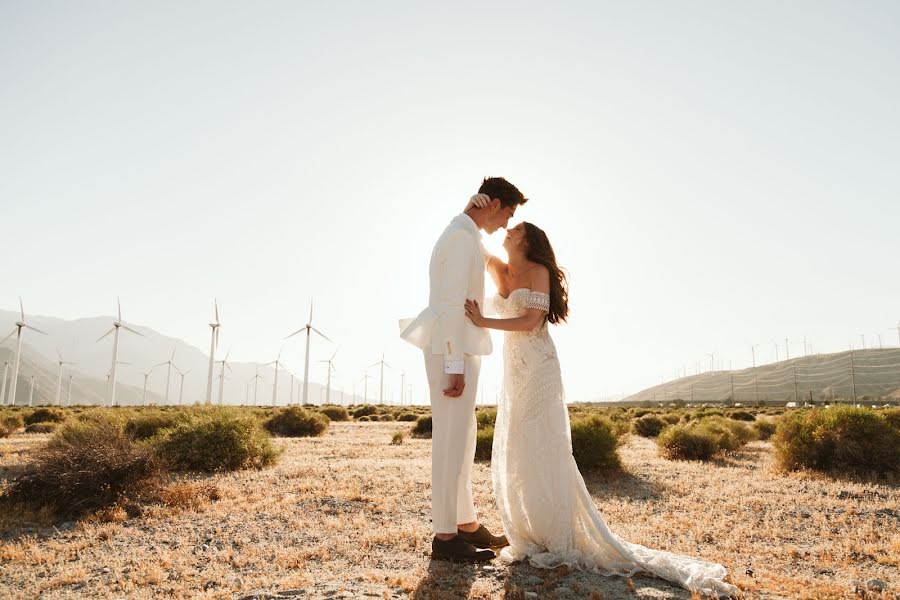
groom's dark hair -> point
(497, 187)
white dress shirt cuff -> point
(454, 367)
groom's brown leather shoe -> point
(482, 538)
(459, 550)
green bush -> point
(484, 443)
(839, 440)
(892, 417)
(335, 413)
(672, 418)
(741, 415)
(83, 468)
(364, 411)
(764, 428)
(297, 422)
(45, 415)
(729, 435)
(686, 442)
(649, 426)
(408, 416)
(422, 427)
(216, 439)
(9, 424)
(144, 426)
(43, 427)
(486, 417)
(595, 444)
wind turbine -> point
(69, 391)
(277, 362)
(225, 365)
(59, 375)
(181, 386)
(31, 393)
(144, 393)
(213, 344)
(365, 378)
(308, 328)
(168, 372)
(381, 381)
(109, 373)
(255, 379)
(3, 384)
(21, 325)
(330, 362)
(115, 353)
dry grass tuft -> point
(189, 495)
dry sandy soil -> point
(347, 515)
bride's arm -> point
(531, 318)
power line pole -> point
(787, 352)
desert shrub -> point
(364, 411)
(486, 417)
(484, 442)
(686, 442)
(671, 418)
(9, 424)
(144, 426)
(398, 438)
(729, 435)
(764, 428)
(840, 440)
(84, 467)
(641, 412)
(741, 415)
(422, 427)
(387, 417)
(189, 494)
(216, 439)
(366, 418)
(891, 416)
(648, 426)
(335, 413)
(45, 415)
(297, 422)
(595, 444)
(44, 427)
(407, 416)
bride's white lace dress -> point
(547, 512)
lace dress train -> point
(549, 517)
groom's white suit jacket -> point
(456, 273)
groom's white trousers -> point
(452, 445)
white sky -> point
(712, 174)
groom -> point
(453, 348)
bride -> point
(547, 512)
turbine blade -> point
(216, 332)
(21, 309)
(59, 354)
(217, 310)
(374, 365)
(10, 335)
(295, 333)
(322, 334)
(106, 334)
(161, 364)
(227, 366)
(35, 329)
(132, 330)
(173, 353)
(227, 354)
(333, 355)
(119, 304)
(310, 311)
(388, 366)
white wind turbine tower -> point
(59, 375)
(181, 386)
(144, 392)
(381, 381)
(225, 365)
(3, 385)
(330, 362)
(277, 362)
(21, 325)
(213, 344)
(69, 391)
(255, 379)
(115, 353)
(169, 363)
(31, 393)
(308, 328)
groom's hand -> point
(457, 385)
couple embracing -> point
(548, 516)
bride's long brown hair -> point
(538, 250)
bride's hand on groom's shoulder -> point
(473, 312)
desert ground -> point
(346, 515)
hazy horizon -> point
(711, 176)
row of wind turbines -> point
(170, 364)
